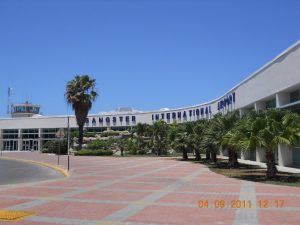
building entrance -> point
(10, 145)
(30, 145)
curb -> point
(57, 168)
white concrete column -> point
(282, 99)
(285, 155)
(242, 111)
(40, 140)
(223, 152)
(260, 155)
(259, 106)
(20, 144)
(1, 140)
(245, 155)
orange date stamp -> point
(240, 204)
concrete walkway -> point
(144, 191)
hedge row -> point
(91, 152)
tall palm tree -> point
(80, 93)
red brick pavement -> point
(108, 190)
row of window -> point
(113, 119)
(271, 104)
(10, 131)
(183, 114)
(30, 131)
(294, 96)
(24, 136)
(26, 109)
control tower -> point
(24, 110)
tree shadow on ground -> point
(248, 172)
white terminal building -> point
(275, 85)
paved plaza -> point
(144, 191)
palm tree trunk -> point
(271, 165)
(158, 147)
(198, 156)
(80, 137)
(207, 154)
(122, 151)
(214, 156)
(184, 154)
(233, 159)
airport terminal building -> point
(275, 85)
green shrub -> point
(142, 151)
(97, 144)
(75, 133)
(89, 134)
(131, 146)
(91, 152)
(53, 147)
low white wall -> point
(285, 155)
(245, 155)
(260, 155)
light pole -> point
(59, 135)
(58, 151)
(68, 136)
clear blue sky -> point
(145, 54)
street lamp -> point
(68, 136)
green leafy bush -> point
(97, 144)
(53, 147)
(89, 134)
(91, 152)
(142, 152)
(131, 146)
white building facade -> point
(275, 85)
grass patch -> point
(252, 173)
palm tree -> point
(278, 127)
(230, 121)
(80, 93)
(218, 127)
(160, 133)
(181, 144)
(181, 138)
(243, 135)
(190, 140)
(208, 143)
(141, 129)
(199, 132)
(266, 131)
